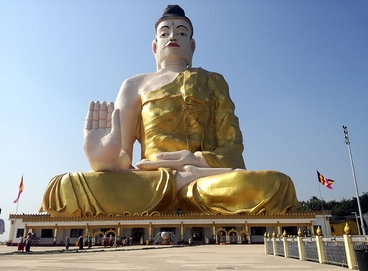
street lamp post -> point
(356, 219)
(347, 142)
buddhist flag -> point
(324, 181)
(21, 189)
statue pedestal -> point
(165, 240)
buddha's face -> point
(173, 41)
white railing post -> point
(265, 245)
(301, 248)
(320, 249)
(350, 256)
(286, 247)
(274, 245)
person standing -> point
(89, 241)
(28, 242)
(105, 241)
(21, 244)
(67, 242)
(111, 241)
(80, 242)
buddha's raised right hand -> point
(102, 138)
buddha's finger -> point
(96, 113)
(102, 117)
(115, 121)
(152, 165)
(110, 109)
(176, 155)
(89, 117)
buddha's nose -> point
(172, 36)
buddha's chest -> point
(156, 81)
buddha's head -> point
(173, 37)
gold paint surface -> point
(194, 113)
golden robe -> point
(194, 113)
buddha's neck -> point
(175, 66)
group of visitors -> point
(108, 242)
(105, 242)
(25, 243)
(80, 242)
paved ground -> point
(205, 257)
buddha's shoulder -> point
(139, 78)
(132, 86)
(207, 73)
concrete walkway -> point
(205, 257)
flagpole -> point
(347, 142)
(15, 220)
(323, 212)
(16, 209)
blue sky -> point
(297, 71)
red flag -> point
(324, 181)
(21, 189)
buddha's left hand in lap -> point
(190, 166)
(175, 160)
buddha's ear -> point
(154, 50)
(154, 46)
(192, 45)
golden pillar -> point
(87, 229)
(278, 229)
(55, 233)
(247, 234)
(181, 231)
(11, 232)
(150, 231)
(312, 229)
(118, 230)
(213, 229)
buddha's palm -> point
(102, 138)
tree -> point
(312, 205)
(340, 208)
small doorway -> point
(197, 234)
(137, 233)
(257, 235)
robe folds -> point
(195, 113)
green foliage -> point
(337, 208)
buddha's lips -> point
(172, 44)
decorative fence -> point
(336, 250)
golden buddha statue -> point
(191, 144)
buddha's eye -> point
(182, 34)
